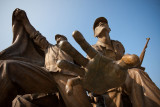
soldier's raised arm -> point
(38, 39)
(98, 73)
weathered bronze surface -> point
(28, 66)
(101, 73)
(42, 74)
(103, 66)
(137, 86)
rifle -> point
(143, 53)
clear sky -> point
(131, 22)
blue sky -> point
(131, 22)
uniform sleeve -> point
(39, 40)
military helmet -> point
(100, 19)
(58, 35)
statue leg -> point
(38, 100)
(113, 98)
(17, 77)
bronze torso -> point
(52, 55)
(114, 51)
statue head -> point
(59, 38)
(100, 25)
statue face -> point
(101, 28)
(60, 38)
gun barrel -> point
(143, 51)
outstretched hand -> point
(98, 73)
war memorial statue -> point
(35, 73)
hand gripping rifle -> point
(142, 54)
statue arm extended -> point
(38, 39)
(95, 72)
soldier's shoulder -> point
(117, 44)
(119, 48)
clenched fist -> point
(20, 14)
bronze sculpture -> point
(22, 68)
(126, 95)
(132, 85)
(110, 73)
(45, 99)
